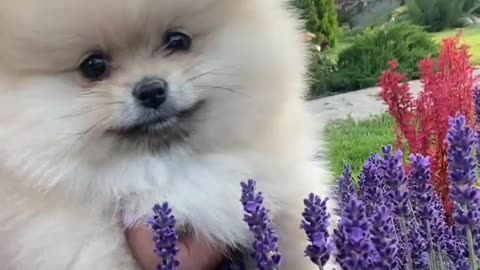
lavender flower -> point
(476, 96)
(425, 202)
(440, 234)
(315, 224)
(422, 191)
(383, 238)
(456, 250)
(346, 188)
(352, 239)
(395, 181)
(403, 246)
(165, 237)
(391, 222)
(461, 170)
(266, 250)
(462, 264)
(418, 247)
(396, 187)
(370, 183)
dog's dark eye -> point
(95, 67)
(177, 41)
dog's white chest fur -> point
(204, 192)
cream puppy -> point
(110, 106)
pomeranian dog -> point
(110, 106)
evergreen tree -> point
(321, 19)
(328, 26)
(309, 14)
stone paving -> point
(359, 104)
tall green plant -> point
(328, 27)
(321, 19)
(308, 12)
(436, 15)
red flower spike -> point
(422, 122)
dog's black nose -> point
(151, 92)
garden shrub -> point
(322, 74)
(326, 32)
(361, 65)
(321, 19)
(422, 122)
(399, 12)
(376, 14)
(436, 15)
(344, 32)
(348, 34)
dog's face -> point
(98, 77)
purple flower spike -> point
(371, 187)
(461, 167)
(383, 238)
(165, 237)
(315, 224)
(454, 247)
(396, 186)
(395, 181)
(441, 232)
(462, 264)
(418, 247)
(463, 179)
(266, 249)
(476, 96)
(346, 188)
(422, 191)
(352, 238)
(426, 203)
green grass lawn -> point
(351, 142)
(470, 37)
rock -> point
(471, 20)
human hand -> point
(193, 254)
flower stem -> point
(441, 261)
(433, 256)
(471, 250)
(431, 261)
(403, 227)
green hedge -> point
(437, 15)
(361, 65)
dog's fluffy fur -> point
(66, 179)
